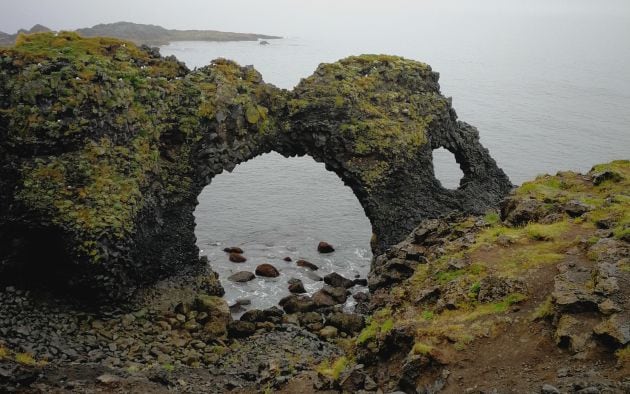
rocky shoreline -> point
(483, 289)
(531, 299)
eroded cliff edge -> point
(105, 146)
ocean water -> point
(547, 83)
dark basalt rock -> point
(325, 247)
(306, 264)
(336, 280)
(104, 148)
(237, 258)
(267, 270)
(240, 329)
(241, 276)
(296, 286)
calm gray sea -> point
(546, 82)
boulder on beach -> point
(216, 308)
(336, 280)
(237, 258)
(325, 247)
(241, 329)
(313, 276)
(241, 276)
(307, 264)
(267, 270)
(322, 299)
(297, 303)
(296, 286)
(287, 259)
(233, 249)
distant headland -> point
(145, 34)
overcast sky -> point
(281, 17)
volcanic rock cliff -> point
(104, 148)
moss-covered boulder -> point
(104, 148)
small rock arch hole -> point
(274, 207)
(446, 169)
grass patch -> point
(387, 326)
(492, 218)
(25, 359)
(477, 311)
(546, 232)
(379, 324)
(421, 348)
(514, 260)
(473, 292)
(502, 306)
(4, 353)
(334, 370)
(447, 276)
(427, 315)
(374, 329)
(623, 355)
(544, 310)
(463, 342)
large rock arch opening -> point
(274, 208)
(108, 146)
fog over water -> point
(546, 82)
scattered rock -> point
(549, 389)
(608, 307)
(336, 280)
(347, 322)
(287, 259)
(518, 211)
(325, 247)
(241, 276)
(296, 286)
(601, 177)
(361, 296)
(254, 316)
(267, 270)
(575, 208)
(616, 328)
(233, 249)
(216, 308)
(353, 381)
(297, 303)
(572, 333)
(273, 314)
(108, 379)
(241, 329)
(323, 299)
(330, 296)
(243, 301)
(306, 264)
(313, 276)
(237, 258)
(328, 332)
(493, 288)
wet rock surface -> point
(267, 270)
(325, 247)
